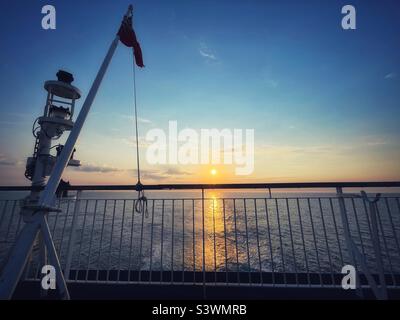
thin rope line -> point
(136, 122)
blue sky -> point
(324, 102)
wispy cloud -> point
(169, 173)
(391, 75)
(206, 52)
(142, 120)
(96, 168)
(176, 172)
(207, 55)
(365, 143)
(372, 141)
(132, 118)
(145, 174)
(148, 174)
(131, 142)
(289, 150)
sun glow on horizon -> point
(213, 172)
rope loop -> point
(141, 204)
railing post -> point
(357, 255)
(349, 243)
(375, 242)
(204, 252)
(71, 240)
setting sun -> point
(213, 172)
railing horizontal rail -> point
(289, 185)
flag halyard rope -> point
(141, 203)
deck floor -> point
(242, 285)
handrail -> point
(274, 185)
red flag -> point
(128, 37)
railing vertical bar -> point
(172, 241)
(392, 225)
(18, 226)
(162, 241)
(71, 240)
(326, 241)
(151, 240)
(247, 241)
(226, 249)
(315, 242)
(101, 240)
(336, 232)
(270, 242)
(398, 208)
(30, 261)
(281, 242)
(3, 213)
(111, 241)
(91, 238)
(183, 240)
(292, 242)
(376, 245)
(194, 244)
(28, 267)
(121, 235)
(81, 240)
(56, 218)
(398, 205)
(304, 242)
(367, 217)
(204, 243)
(236, 242)
(65, 223)
(385, 244)
(12, 214)
(215, 247)
(141, 246)
(131, 242)
(358, 227)
(258, 240)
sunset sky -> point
(324, 102)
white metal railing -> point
(285, 241)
